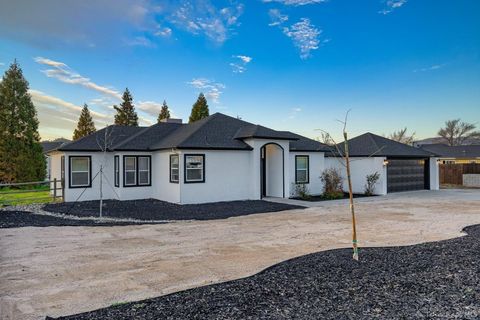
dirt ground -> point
(65, 270)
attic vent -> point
(171, 120)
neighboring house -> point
(440, 140)
(401, 167)
(455, 154)
(48, 146)
(219, 158)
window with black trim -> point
(174, 168)
(116, 171)
(130, 171)
(194, 168)
(136, 171)
(302, 169)
(143, 171)
(80, 171)
(62, 168)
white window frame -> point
(306, 169)
(147, 170)
(202, 179)
(88, 171)
(172, 180)
(116, 171)
(125, 183)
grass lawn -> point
(11, 196)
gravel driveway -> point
(59, 271)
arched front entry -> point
(272, 170)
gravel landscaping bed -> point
(151, 209)
(18, 219)
(426, 281)
(322, 198)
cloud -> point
(109, 96)
(106, 23)
(2, 64)
(305, 36)
(163, 32)
(276, 17)
(201, 17)
(152, 108)
(140, 41)
(296, 2)
(212, 89)
(391, 5)
(240, 66)
(55, 23)
(430, 68)
(293, 113)
(58, 118)
(64, 73)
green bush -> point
(301, 191)
(332, 184)
(372, 179)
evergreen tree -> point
(126, 115)
(85, 124)
(164, 112)
(199, 109)
(21, 155)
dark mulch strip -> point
(19, 219)
(322, 198)
(151, 209)
(438, 280)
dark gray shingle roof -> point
(96, 141)
(48, 146)
(214, 132)
(218, 131)
(261, 132)
(371, 145)
(443, 150)
(305, 144)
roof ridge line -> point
(84, 137)
(196, 129)
(132, 137)
(371, 136)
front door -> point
(263, 173)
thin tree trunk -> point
(350, 192)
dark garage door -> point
(406, 175)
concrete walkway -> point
(64, 270)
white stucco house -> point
(219, 158)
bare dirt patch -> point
(66, 270)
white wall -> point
(56, 171)
(360, 168)
(434, 174)
(316, 167)
(274, 171)
(93, 192)
(163, 189)
(257, 144)
(228, 176)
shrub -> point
(332, 184)
(301, 191)
(372, 179)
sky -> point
(295, 65)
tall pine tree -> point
(21, 155)
(126, 115)
(199, 109)
(85, 124)
(164, 112)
